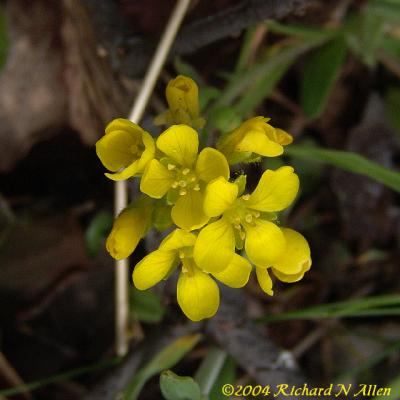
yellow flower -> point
(253, 138)
(197, 292)
(129, 227)
(244, 221)
(291, 265)
(125, 149)
(183, 101)
(183, 174)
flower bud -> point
(129, 227)
(253, 138)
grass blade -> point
(351, 162)
(64, 376)
(262, 87)
(240, 82)
(374, 306)
(368, 364)
(321, 71)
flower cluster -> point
(219, 231)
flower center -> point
(186, 258)
(242, 217)
(185, 179)
(136, 149)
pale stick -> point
(121, 187)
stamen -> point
(256, 214)
(171, 166)
(242, 235)
(175, 185)
(238, 220)
(196, 188)
(248, 218)
(185, 171)
(246, 197)
(182, 183)
(182, 192)
(192, 179)
(181, 255)
(238, 227)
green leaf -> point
(320, 73)
(387, 9)
(210, 368)
(394, 385)
(348, 161)
(165, 359)
(224, 119)
(240, 82)
(216, 369)
(391, 45)
(262, 87)
(227, 375)
(302, 31)
(174, 387)
(372, 36)
(99, 227)
(146, 305)
(207, 94)
(392, 103)
(246, 48)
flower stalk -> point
(121, 188)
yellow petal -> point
(197, 293)
(148, 152)
(179, 142)
(215, 246)
(256, 141)
(126, 173)
(113, 150)
(128, 228)
(236, 274)
(275, 191)
(211, 164)
(264, 280)
(288, 278)
(156, 180)
(264, 243)
(296, 257)
(283, 137)
(122, 124)
(219, 196)
(121, 148)
(153, 268)
(178, 239)
(187, 213)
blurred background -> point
(326, 71)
